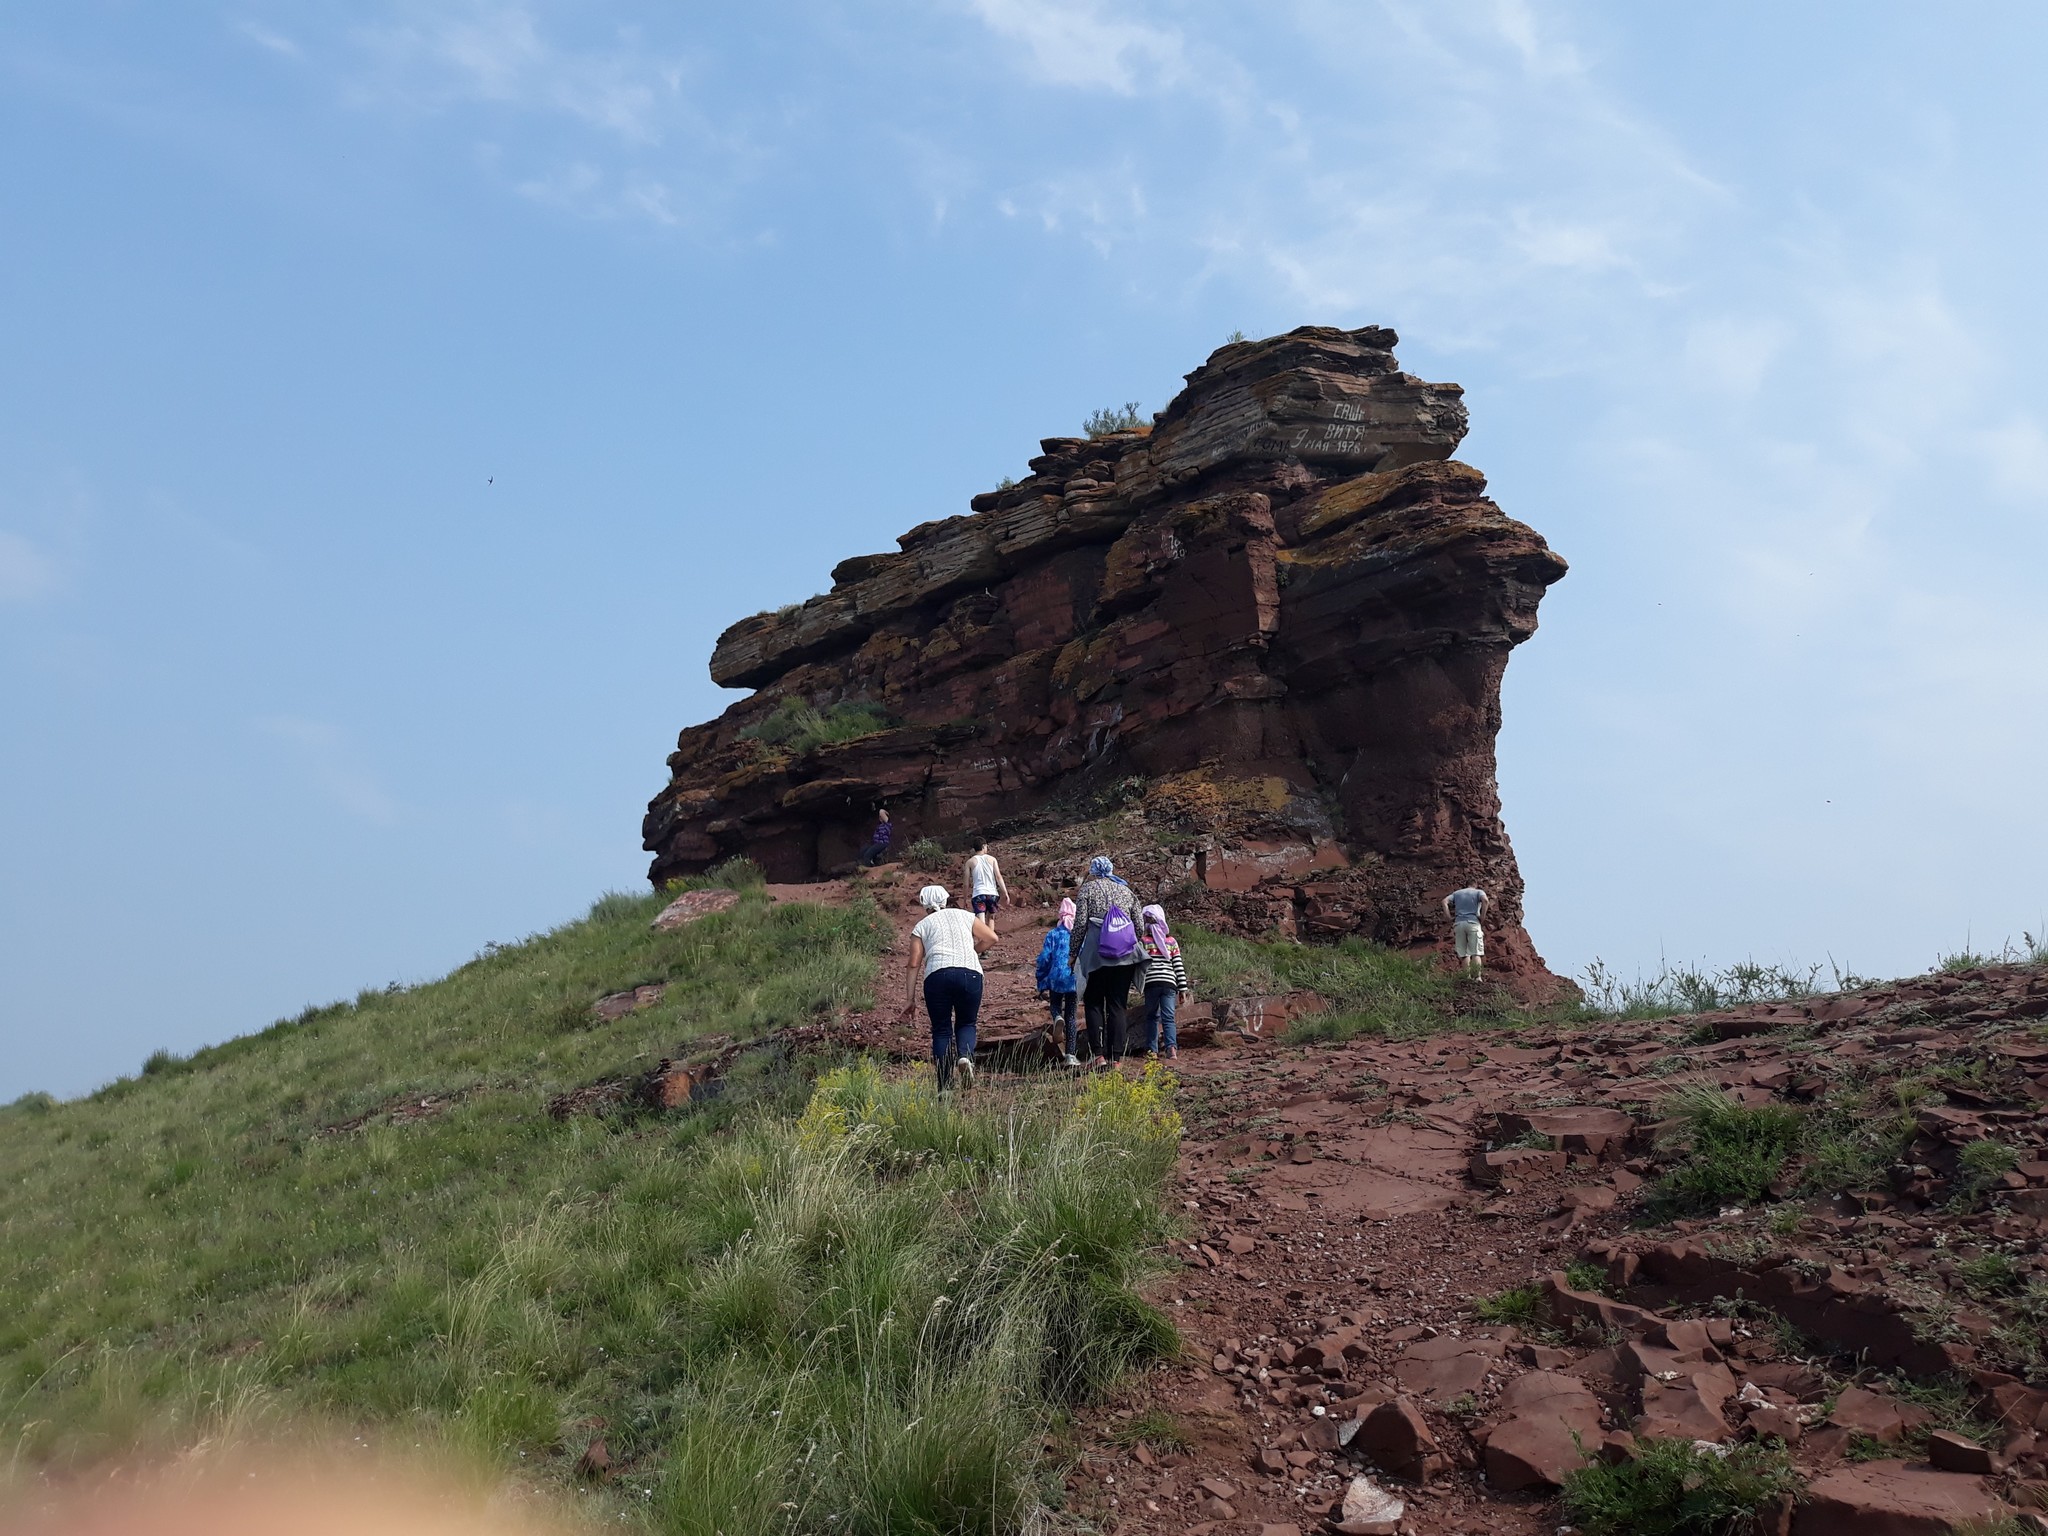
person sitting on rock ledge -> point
(945, 951)
(1464, 907)
(878, 845)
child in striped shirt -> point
(1166, 982)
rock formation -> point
(1280, 614)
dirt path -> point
(1010, 1010)
(1358, 1222)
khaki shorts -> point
(1470, 941)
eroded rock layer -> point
(1283, 611)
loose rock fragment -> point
(1396, 1438)
(1369, 1510)
(1891, 1498)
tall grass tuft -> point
(1128, 417)
(1734, 1152)
(1699, 989)
(1370, 989)
(1677, 1488)
(925, 1287)
(797, 726)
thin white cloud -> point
(1084, 45)
(26, 573)
(1731, 355)
(487, 51)
(270, 39)
(572, 112)
(325, 753)
(2017, 456)
(1459, 170)
(595, 192)
(1549, 241)
(1102, 207)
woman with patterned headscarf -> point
(1105, 979)
(945, 952)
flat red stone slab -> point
(691, 905)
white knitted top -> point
(948, 940)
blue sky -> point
(397, 399)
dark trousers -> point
(953, 998)
(1062, 1005)
(873, 854)
(1103, 1002)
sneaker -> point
(966, 1071)
(1102, 1063)
(1172, 1053)
(1073, 1060)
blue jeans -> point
(1062, 1005)
(953, 998)
(1161, 998)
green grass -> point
(1155, 1427)
(797, 726)
(1699, 989)
(1855, 1135)
(1963, 959)
(1734, 1153)
(1951, 1402)
(1978, 1169)
(1524, 1306)
(1586, 1275)
(1990, 1274)
(1371, 990)
(855, 1311)
(1127, 417)
(1672, 1488)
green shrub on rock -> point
(1677, 1488)
(1735, 1152)
(797, 726)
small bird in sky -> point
(490, 480)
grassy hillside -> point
(840, 1297)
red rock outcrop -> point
(1283, 611)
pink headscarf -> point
(1154, 919)
(1067, 911)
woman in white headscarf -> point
(945, 954)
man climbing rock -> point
(1467, 937)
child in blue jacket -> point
(1056, 974)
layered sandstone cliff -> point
(1282, 613)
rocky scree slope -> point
(1283, 608)
(1459, 1267)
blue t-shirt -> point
(1465, 904)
